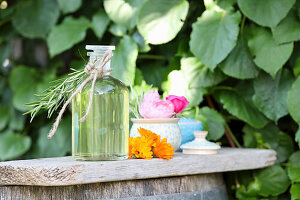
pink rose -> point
(157, 109)
(180, 103)
(151, 96)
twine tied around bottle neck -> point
(94, 72)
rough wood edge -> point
(66, 171)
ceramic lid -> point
(200, 143)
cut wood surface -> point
(66, 171)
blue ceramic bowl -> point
(187, 127)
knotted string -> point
(94, 72)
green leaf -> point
(214, 35)
(59, 145)
(4, 116)
(295, 191)
(35, 18)
(285, 147)
(22, 75)
(297, 136)
(274, 180)
(123, 61)
(138, 77)
(266, 12)
(269, 56)
(293, 100)
(271, 94)
(239, 63)
(117, 30)
(251, 192)
(138, 38)
(63, 36)
(177, 85)
(69, 6)
(288, 30)
(17, 120)
(123, 12)
(13, 145)
(293, 167)
(198, 75)
(296, 68)
(99, 23)
(25, 94)
(235, 104)
(155, 73)
(160, 21)
(214, 122)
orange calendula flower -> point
(142, 148)
(163, 149)
(149, 144)
(152, 137)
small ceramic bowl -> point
(166, 128)
(200, 145)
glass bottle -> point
(104, 135)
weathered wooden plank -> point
(200, 187)
(67, 171)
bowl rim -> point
(155, 120)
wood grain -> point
(159, 188)
(66, 171)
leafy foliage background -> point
(237, 61)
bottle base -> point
(99, 157)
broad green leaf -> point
(123, 12)
(177, 85)
(22, 75)
(35, 18)
(269, 56)
(59, 145)
(155, 73)
(63, 36)
(160, 21)
(17, 120)
(4, 116)
(214, 122)
(123, 62)
(298, 8)
(25, 94)
(13, 145)
(99, 23)
(296, 68)
(239, 63)
(295, 191)
(138, 38)
(138, 77)
(274, 180)
(288, 30)
(293, 167)
(285, 147)
(235, 104)
(117, 30)
(297, 136)
(271, 94)
(198, 75)
(266, 12)
(214, 35)
(251, 192)
(69, 6)
(293, 100)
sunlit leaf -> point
(99, 23)
(160, 21)
(69, 6)
(293, 101)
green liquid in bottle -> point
(104, 135)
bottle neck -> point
(98, 56)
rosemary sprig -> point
(54, 96)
